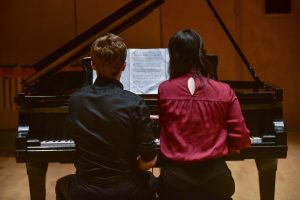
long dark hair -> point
(187, 54)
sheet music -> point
(145, 70)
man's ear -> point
(93, 65)
(123, 67)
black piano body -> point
(43, 136)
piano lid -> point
(257, 80)
(77, 47)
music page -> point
(145, 70)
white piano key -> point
(59, 143)
(255, 140)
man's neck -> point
(117, 77)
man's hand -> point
(144, 166)
(154, 117)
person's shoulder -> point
(131, 96)
(220, 85)
(163, 86)
(166, 83)
(221, 90)
(80, 92)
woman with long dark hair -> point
(201, 123)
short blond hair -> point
(108, 53)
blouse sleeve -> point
(238, 133)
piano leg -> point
(37, 178)
(267, 177)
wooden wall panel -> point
(32, 29)
(272, 43)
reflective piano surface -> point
(43, 134)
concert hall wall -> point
(32, 29)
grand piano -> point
(43, 134)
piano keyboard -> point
(256, 140)
(58, 143)
(33, 143)
(69, 143)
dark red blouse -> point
(206, 125)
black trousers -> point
(71, 187)
(208, 181)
